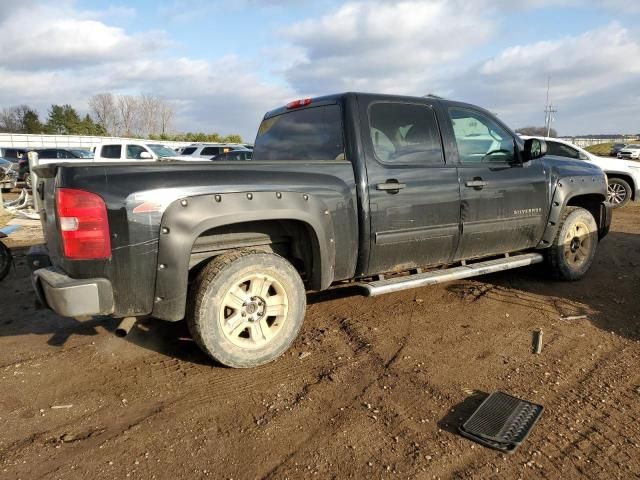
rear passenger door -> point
(414, 197)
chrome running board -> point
(396, 284)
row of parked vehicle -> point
(14, 164)
(629, 151)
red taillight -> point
(83, 224)
(299, 103)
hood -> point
(567, 167)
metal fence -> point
(586, 142)
(25, 140)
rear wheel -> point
(248, 308)
(574, 246)
(618, 192)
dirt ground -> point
(373, 388)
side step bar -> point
(396, 284)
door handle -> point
(391, 186)
(476, 183)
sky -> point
(224, 63)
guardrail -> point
(586, 142)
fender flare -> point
(185, 219)
(566, 189)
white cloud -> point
(591, 73)
(67, 55)
(43, 37)
(383, 46)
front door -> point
(503, 200)
(414, 196)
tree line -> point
(144, 115)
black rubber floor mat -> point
(502, 422)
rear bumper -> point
(68, 296)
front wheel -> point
(618, 192)
(248, 308)
(574, 246)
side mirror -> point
(145, 156)
(534, 148)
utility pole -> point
(549, 110)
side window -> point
(561, 150)
(210, 151)
(111, 151)
(480, 138)
(188, 150)
(405, 133)
(134, 151)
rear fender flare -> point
(185, 219)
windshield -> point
(161, 150)
(82, 153)
(633, 145)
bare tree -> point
(105, 112)
(165, 117)
(148, 113)
(12, 119)
(127, 111)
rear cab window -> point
(312, 133)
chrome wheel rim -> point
(577, 244)
(253, 311)
(616, 193)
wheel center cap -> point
(575, 244)
(252, 308)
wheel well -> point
(291, 239)
(590, 202)
(626, 178)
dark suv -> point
(615, 149)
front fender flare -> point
(565, 189)
(187, 218)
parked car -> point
(235, 154)
(132, 150)
(631, 152)
(623, 176)
(47, 155)
(615, 149)
(8, 174)
(360, 187)
(207, 150)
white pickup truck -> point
(132, 150)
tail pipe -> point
(125, 326)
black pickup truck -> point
(352, 187)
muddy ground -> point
(373, 388)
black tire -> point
(574, 246)
(618, 192)
(5, 260)
(250, 336)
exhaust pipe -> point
(125, 326)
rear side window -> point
(210, 151)
(188, 150)
(310, 134)
(111, 151)
(405, 133)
